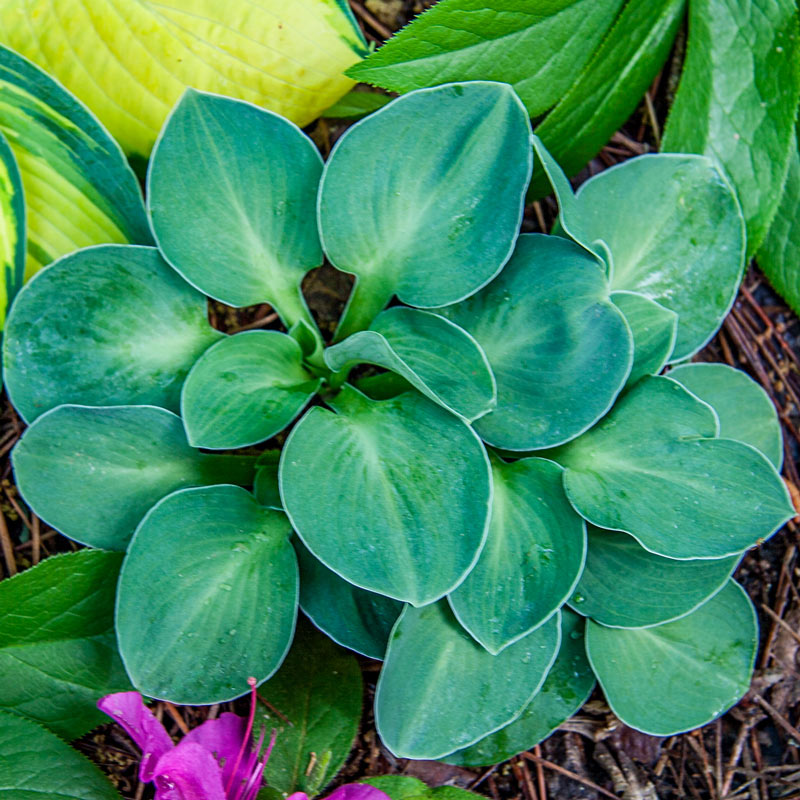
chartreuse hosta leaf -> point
(223, 611)
(744, 409)
(352, 617)
(653, 468)
(58, 651)
(12, 228)
(79, 189)
(392, 495)
(245, 389)
(433, 354)
(121, 328)
(440, 690)
(625, 586)
(92, 473)
(566, 688)
(439, 235)
(129, 62)
(680, 675)
(532, 559)
(559, 348)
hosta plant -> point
(508, 501)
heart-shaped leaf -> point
(566, 688)
(122, 328)
(559, 349)
(433, 354)
(532, 559)
(653, 469)
(92, 473)
(13, 236)
(403, 508)
(440, 689)
(223, 611)
(681, 675)
(625, 586)
(440, 233)
(58, 650)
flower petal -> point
(356, 791)
(223, 738)
(189, 772)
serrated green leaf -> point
(13, 236)
(356, 104)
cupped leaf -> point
(58, 650)
(653, 468)
(92, 473)
(625, 586)
(681, 675)
(532, 560)
(35, 763)
(566, 688)
(245, 389)
(231, 194)
(433, 354)
(316, 702)
(440, 690)
(744, 409)
(440, 234)
(559, 349)
(352, 617)
(109, 325)
(13, 236)
(403, 507)
(225, 609)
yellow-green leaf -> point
(12, 228)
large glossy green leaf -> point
(13, 236)
(653, 468)
(681, 675)
(744, 409)
(433, 354)
(532, 559)
(458, 160)
(224, 609)
(559, 349)
(318, 692)
(625, 586)
(92, 473)
(566, 688)
(539, 50)
(392, 495)
(36, 765)
(737, 99)
(245, 389)
(110, 325)
(439, 690)
(58, 651)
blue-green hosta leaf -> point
(433, 354)
(439, 690)
(231, 193)
(110, 325)
(13, 236)
(625, 586)
(680, 675)
(58, 651)
(225, 608)
(245, 389)
(744, 409)
(458, 161)
(92, 473)
(560, 350)
(654, 469)
(566, 688)
(532, 559)
(392, 495)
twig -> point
(8, 550)
(777, 717)
(537, 750)
(375, 24)
(788, 628)
(569, 774)
(175, 714)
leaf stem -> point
(369, 297)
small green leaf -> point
(403, 509)
(680, 675)
(92, 473)
(265, 485)
(625, 586)
(404, 787)
(440, 690)
(357, 104)
(13, 236)
(532, 560)
(58, 651)
(319, 691)
(225, 608)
